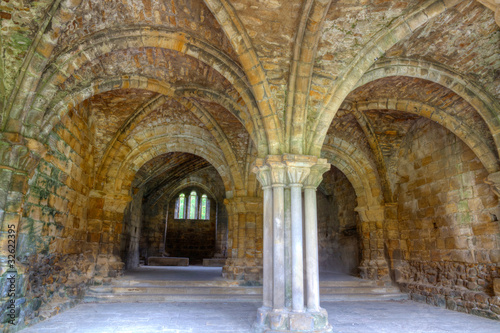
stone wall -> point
(151, 241)
(448, 224)
(132, 222)
(191, 238)
(338, 237)
(195, 239)
(245, 240)
(56, 247)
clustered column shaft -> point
(311, 233)
(297, 253)
(268, 245)
(283, 310)
(278, 246)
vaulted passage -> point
(177, 211)
(302, 152)
(338, 225)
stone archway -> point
(339, 238)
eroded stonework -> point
(109, 110)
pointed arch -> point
(301, 69)
(357, 168)
(140, 82)
(374, 49)
(225, 14)
(472, 139)
(486, 105)
(137, 37)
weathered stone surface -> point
(496, 286)
(168, 261)
(109, 110)
(214, 262)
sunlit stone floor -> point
(233, 317)
(382, 316)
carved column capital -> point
(316, 175)
(262, 172)
(289, 169)
(298, 167)
(278, 170)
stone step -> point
(231, 290)
(185, 290)
(363, 297)
(229, 283)
(126, 289)
(358, 290)
(142, 298)
(130, 282)
(354, 283)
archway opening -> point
(338, 225)
(191, 225)
(176, 216)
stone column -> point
(396, 250)
(105, 227)
(288, 247)
(311, 234)
(264, 176)
(244, 261)
(288, 312)
(373, 263)
(278, 177)
(298, 170)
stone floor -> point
(374, 317)
(233, 317)
(201, 273)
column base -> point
(269, 320)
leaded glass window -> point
(204, 208)
(180, 206)
(193, 205)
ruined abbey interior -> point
(281, 138)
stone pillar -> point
(297, 173)
(105, 227)
(244, 260)
(278, 177)
(263, 173)
(288, 312)
(311, 234)
(288, 247)
(397, 248)
(373, 263)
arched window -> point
(180, 207)
(204, 208)
(193, 206)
